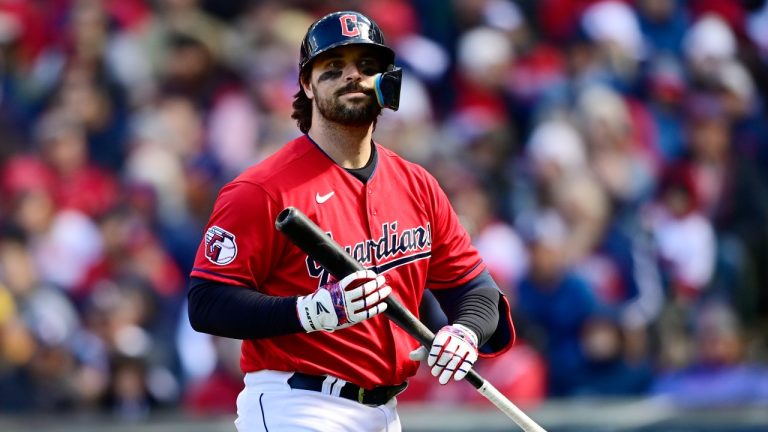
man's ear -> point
(305, 85)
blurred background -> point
(609, 159)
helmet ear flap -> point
(388, 87)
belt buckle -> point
(361, 395)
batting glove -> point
(338, 305)
(453, 353)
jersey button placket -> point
(371, 208)
(372, 220)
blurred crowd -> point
(609, 159)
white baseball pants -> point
(267, 403)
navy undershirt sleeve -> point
(239, 313)
(474, 304)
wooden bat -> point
(305, 234)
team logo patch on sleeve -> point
(220, 246)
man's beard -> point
(333, 109)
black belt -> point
(374, 397)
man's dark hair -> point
(302, 107)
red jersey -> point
(400, 224)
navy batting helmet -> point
(342, 28)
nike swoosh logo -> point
(323, 198)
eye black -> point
(329, 75)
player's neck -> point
(349, 147)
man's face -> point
(342, 85)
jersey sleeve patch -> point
(220, 246)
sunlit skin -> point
(341, 87)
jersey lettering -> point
(399, 246)
(349, 25)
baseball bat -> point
(305, 234)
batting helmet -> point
(342, 28)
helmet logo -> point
(349, 25)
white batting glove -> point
(338, 305)
(453, 353)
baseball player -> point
(317, 353)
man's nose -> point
(352, 73)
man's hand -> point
(453, 353)
(337, 305)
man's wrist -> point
(305, 316)
(472, 334)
